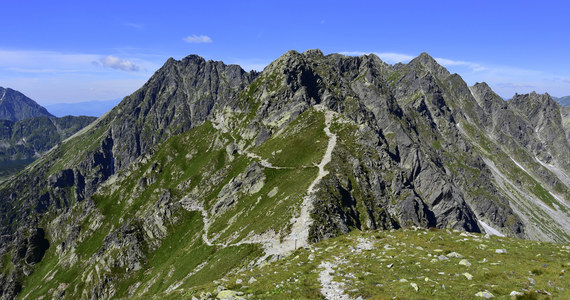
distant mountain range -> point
(88, 108)
(564, 101)
(27, 130)
(15, 106)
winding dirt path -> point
(301, 224)
(298, 237)
(329, 288)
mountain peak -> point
(313, 53)
(15, 106)
(429, 63)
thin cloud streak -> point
(198, 39)
(50, 77)
(39, 71)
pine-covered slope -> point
(15, 106)
(208, 169)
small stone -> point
(531, 281)
(426, 279)
(464, 262)
(220, 288)
(442, 257)
(230, 295)
(403, 280)
(239, 281)
(515, 293)
(415, 286)
(454, 254)
(484, 294)
(251, 280)
(500, 251)
(468, 276)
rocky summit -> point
(15, 106)
(208, 171)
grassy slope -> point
(183, 163)
(401, 257)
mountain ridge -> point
(15, 106)
(209, 147)
(28, 130)
(564, 101)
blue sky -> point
(71, 51)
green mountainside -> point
(208, 172)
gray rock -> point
(531, 281)
(484, 294)
(454, 254)
(465, 262)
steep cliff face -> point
(208, 168)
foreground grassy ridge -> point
(384, 264)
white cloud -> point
(198, 39)
(119, 64)
(449, 62)
(516, 85)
